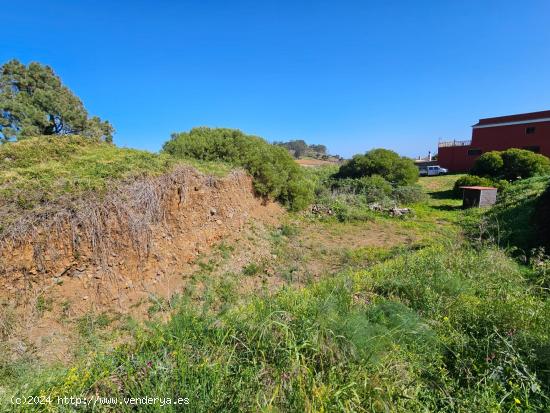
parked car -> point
(432, 170)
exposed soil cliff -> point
(112, 253)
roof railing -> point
(446, 144)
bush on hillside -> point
(514, 221)
(274, 171)
(409, 194)
(322, 178)
(489, 164)
(519, 163)
(473, 180)
(386, 163)
(373, 187)
(511, 165)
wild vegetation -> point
(498, 169)
(542, 219)
(376, 179)
(511, 164)
(516, 219)
(275, 173)
(40, 175)
(43, 169)
(80, 186)
(383, 162)
(449, 324)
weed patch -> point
(451, 327)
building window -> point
(530, 130)
(474, 152)
(535, 149)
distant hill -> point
(299, 149)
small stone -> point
(20, 347)
(85, 297)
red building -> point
(526, 131)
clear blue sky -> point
(352, 75)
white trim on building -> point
(519, 122)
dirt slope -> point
(109, 255)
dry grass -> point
(130, 208)
(46, 174)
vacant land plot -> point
(313, 314)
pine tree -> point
(34, 101)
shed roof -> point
(477, 187)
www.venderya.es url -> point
(100, 400)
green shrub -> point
(274, 171)
(409, 194)
(519, 163)
(322, 179)
(511, 164)
(473, 180)
(349, 208)
(251, 269)
(388, 164)
(350, 198)
(489, 164)
(374, 188)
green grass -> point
(511, 222)
(42, 170)
(53, 166)
(446, 328)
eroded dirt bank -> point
(110, 255)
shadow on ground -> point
(449, 194)
(447, 207)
